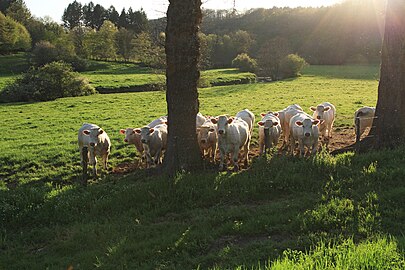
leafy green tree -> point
(101, 44)
(244, 63)
(147, 52)
(73, 15)
(13, 35)
(4, 5)
(124, 43)
(291, 66)
(43, 53)
(270, 57)
(78, 37)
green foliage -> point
(13, 35)
(270, 57)
(101, 44)
(148, 52)
(244, 63)
(52, 81)
(291, 66)
(124, 43)
(43, 53)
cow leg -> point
(301, 146)
(235, 158)
(222, 156)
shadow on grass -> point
(208, 218)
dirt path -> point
(342, 137)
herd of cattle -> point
(229, 135)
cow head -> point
(146, 133)
(307, 125)
(267, 123)
(132, 135)
(319, 111)
(94, 136)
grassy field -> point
(124, 77)
(343, 212)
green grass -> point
(11, 66)
(343, 212)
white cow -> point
(154, 141)
(199, 120)
(304, 129)
(208, 139)
(285, 116)
(133, 135)
(233, 134)
(327, 112)
(366, 115)
(248, 117)
(269, 131)
(93, 141)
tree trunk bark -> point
(182, 74)
(389, 128)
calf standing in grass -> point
(154, 141)
(93, 141)
(326, 112)
(208, 139)
(305, 130)
(366, 115)
(285, 116)
(133, 135)
(269, 132)
(233, 134)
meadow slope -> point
(343, 212)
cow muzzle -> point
(125, 140)
(203, 140)
(92, 144)
(318, 117)
(307, 134)
(221, 131)
(144, 141)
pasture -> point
(327, 212)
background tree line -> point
(350, 32)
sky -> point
(157, 8)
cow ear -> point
(100, 131)
(326, 109)
(276, 114)
(151, 130)
(299, 123)
(122, 131)
(263, 114)
(86, 132)
(230, 120)
(275, 123)
(315, 122)
(261, 123)
(312, 108)
(137, 130)
(214, 120)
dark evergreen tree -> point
(123, 19)
(73, 15)
(113, 15)
(88, 12)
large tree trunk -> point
(389, 127)
(182, 54)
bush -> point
(291, 66)
(244, 63)
(45, 52)
(52, 81)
